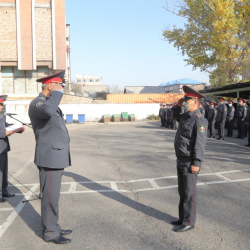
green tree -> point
(215, 37)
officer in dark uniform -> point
(170, 117)
(202, 110)
(241, 113)
(52, 153)
(190, 142)
(248, 123)
(245, 134)
(175, 123)
(161, 111)
(211, 116)
(166, 116)
(230, 118)
(4, 149)
(221, 118)
(206, 107)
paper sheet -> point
(15, 127)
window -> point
(97, 80)
(90, 80)
(16, 81)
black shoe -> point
(248, 145)
(237, 137)
(63, 232)
(242, 138)
(183, 228)
(8, 195)
(176, 222)
(2, 200)
(60, 240)
(218, 138)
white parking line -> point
(16, 211)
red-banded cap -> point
(191, 93)
(54, 78)
(1, 102)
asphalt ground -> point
(121, 192)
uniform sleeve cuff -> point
(197, 163)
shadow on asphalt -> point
(31, 218)
(149, 211)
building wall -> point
(8, 33)
(93, 112)
(143, 98)
(43, 34)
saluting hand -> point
(179, 103)
(194, 169)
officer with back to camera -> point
(161, 111)
(230, 118)
(241, 113)
(52, 153)
(190, 142)
(211, 117)
(221, 118)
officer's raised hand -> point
(179, 103)
(56, 86)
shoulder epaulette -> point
(198, 114)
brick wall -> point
(8, 37)
(43, 34)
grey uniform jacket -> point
(241, 112)
(52, 139)
(202, 110)
(221, 113)
(190, 139)
(211, 116)
(4, 140)
(230, 113)
(248, 115)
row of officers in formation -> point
(220, 115)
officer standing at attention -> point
(52, 153)
(241, 113)
(4, 149)
(161, 111)
(202, 110)
(190, 142)
(221, 118)
(248, 123)
(211, 116)
(230, 118)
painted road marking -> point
(16, 211)
(114, 188)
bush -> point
(153, 117)
(100, 96)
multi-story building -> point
(32, 44)
(84, 80)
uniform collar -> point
(43, 96)
(194, 112)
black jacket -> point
(190, 139)
(211, 116)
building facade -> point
(84, 80)
(32, 44)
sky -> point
(122, 41)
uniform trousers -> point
(187, 192)
(221, 129)
(50, 181)
(3, 173)
(230, 126)
(248, 132)
(162, 121)
(211, 129)
(241, 128)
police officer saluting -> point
(230, 118)
(52, 153)
(221, 118)
(211, 116)
(190, 142)
(241, 113)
